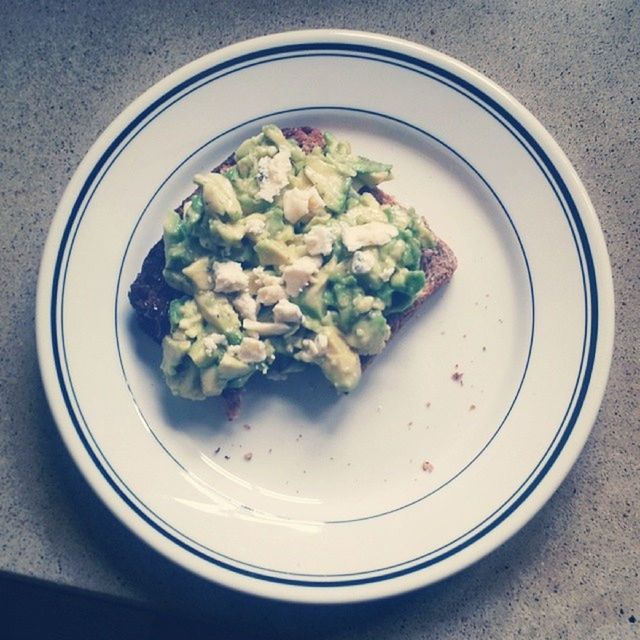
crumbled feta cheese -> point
(363, 262)
(270, 294)
(212, 341)
(286, 311)
(273, 174)
(254, 227)
(266, 328)
(298, 203)
(319, 241)
(367, 235)
(259, 278)
(252, 350)
(297, 275)
(246, 306)
(230, 277)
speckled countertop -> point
(69, 68)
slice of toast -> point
(150, 295)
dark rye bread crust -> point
(150, 295)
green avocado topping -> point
(286, 260)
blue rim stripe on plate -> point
(534, 150)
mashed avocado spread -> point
(285, 260)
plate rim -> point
(602, 272)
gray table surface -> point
(69, 68)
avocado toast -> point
(286, 255)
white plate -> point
(335, 504)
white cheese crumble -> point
(270, 294)
(286, 311)
(273, 174)
(259, 278)
(246, 306)
(251, 350)
(367, 235)
(298, 203)
(363, 262)
(254, 227)
(319, 241)
(229, 277)
(212, 341)
(297, 275)
(266, 328)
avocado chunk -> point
(173, 351)
(185, 382)
(249, 147)
(199, 355)
(230, 367)
(250, 204)
(332, 186)
(272, 252)
(210, 381)
(177, 280)
(409, 282)
(312, 301)
(185, 317)
(217, 310)
(273, 133)
(370, 172)
(340, 364)
(227, 234)
(344, 293)
(370, 334)
(219, 196)
(180, 252)
(198, 273)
